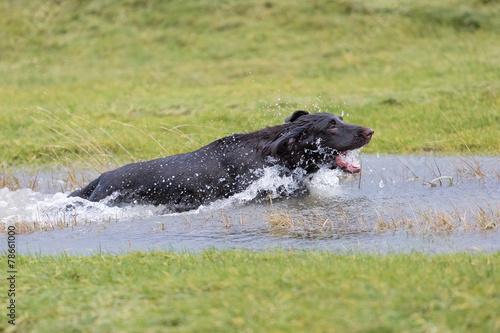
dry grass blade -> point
(433, 221)
(81, 138)
(8, 179)
(108, 135)
(226, 220)
(144, 132)
(279, 219)
(284, 221)
(176, 130)
(474, 166)
(471, 167)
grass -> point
(303, 291)
(185, 73)
(96, 84)
(435, 222)
(427, 222)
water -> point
(397, 204)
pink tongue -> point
(343, 162)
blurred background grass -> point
(75, 73)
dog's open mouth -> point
(349, 161)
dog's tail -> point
(87, 191)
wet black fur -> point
(229, 165)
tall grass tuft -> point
(432, 221)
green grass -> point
(100, 83)
(234, 66)
(239, 291)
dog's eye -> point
(333, 126)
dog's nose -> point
(368, 132)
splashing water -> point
(325, 183)
(50, 210)
(274, 184)
(57, 209)
(349, 160)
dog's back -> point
(231, 164)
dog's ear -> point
(295, 116)
(281, 143)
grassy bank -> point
(240, 291)
(100, 83)
(76, 74)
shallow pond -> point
(397, 204)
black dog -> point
(229, 165)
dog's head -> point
(321, 138)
